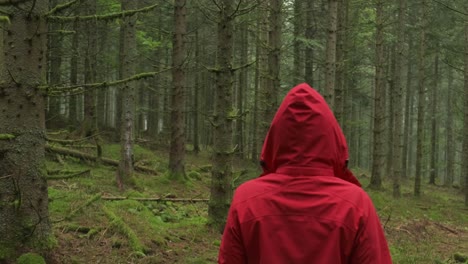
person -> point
(306, 207)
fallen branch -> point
(86, 204)
(448, 229)
(123, 228)
(85, 156)
(69, 176)
(155, 199)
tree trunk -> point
(450, 151)
(274, 52)
(54, 117)
(309, 35)
(258, 77)
(196, 97)
(297, 75)
(331, 53)
(127, 64)
(339, 88)
(73, 116)
(88, 126)
(434, 146)
(177, 149)
(378, 160)
(222, 132)
(24, 212)
(406, 153)
(243, 86)
(421, 100)
(398, 98)
(465, 122)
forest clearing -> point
(92, 229)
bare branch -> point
(244, 66)
(12, 2)
(60, 7)
(111, 16)
(450, 8)
(54, 90)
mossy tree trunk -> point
(24, 218)
(222, 119)
(127, 69)
(177, 148)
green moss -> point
(7, 136)
(30, 258)
(6, 251)
(194, 175)
(122, 227)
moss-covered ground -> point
(89, 229)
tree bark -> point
(309, 50)
(331, 53)
(73, 114)
(127, 60)
(177, 148)
(297, 75)
(434, 146)
(340, 66)
(221, 171)
(378, 160)
(398, 98)
(274, 52)
(242, 88)
(196, 96)
(24, 212)
(450, 149)
(465, 122)
(54, 117)
(421, 99)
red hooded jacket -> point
(306, 207)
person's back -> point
(306, 207)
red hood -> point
(305, 138)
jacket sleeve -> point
(370, 245)
(232, 248)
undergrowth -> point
(429, 229)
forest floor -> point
(91, 229)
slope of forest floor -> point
(91, 229)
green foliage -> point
(146, 41)
(30, 258)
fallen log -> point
(155, 199)
(86, 156)
(69, 176)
